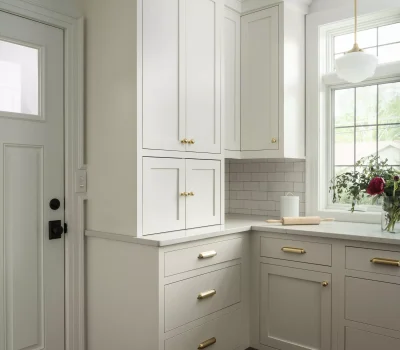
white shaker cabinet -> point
(203, 184)
(181, 75)
(180, 194)
(231, 79)
(295, 308)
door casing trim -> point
(74, 161)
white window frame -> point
(321, 81)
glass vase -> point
(390, 216)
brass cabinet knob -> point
(184, 194)
(274, 140)
(185, 141)
(325, 284)
(191, 141)
(191, 194)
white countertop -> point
(244, 223)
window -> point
(366, 121)
(383, 42)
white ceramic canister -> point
(290, 206)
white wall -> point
(324, 5)
(71, 8)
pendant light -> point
(356, 65)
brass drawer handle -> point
(293, 250)
(382, 261)
(207, 255)
(207, 343)
(207, 294)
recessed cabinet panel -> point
(203, 116)
(360, 340)
(163, 206)
(295, 309)
(373, 302)
(163, 125)
(232, 79)
(260, 80)
(203, 185)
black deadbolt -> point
(55, 229)
(55, 204)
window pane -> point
(389, 103)
(365, 38)
(344, 195)
(372, 51)
(344, 146)
(365, 141)
(343, 43)
(19, 82)
(366, 105)
(389, 34)
(389, 53)
(344, 107)
(389, 143)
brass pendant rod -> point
(355, 21)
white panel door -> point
(231, 74)
(203, 185)
(163, 195)
(295, 308)
(203, 69)
(260, 80)
(31, 174)
(163, 124)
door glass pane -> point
(19, 78)
(389, 34)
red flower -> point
(376, 186)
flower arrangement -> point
(372, 178)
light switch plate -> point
(80, 181)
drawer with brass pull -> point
(196, 257)
(196, 297)
(306, 252)
(373, 260)
(222, 333)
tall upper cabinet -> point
(154, 115)
(182, 75)
(271, 122)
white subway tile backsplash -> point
(256, 186)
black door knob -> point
(55, 204)
(55, 229)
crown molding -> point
(252, 5)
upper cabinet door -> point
(295, 308)
(231, 78)
(203, 68)
(163, 195)
(260, 80)
(203, 185)
(163, 122)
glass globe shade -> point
(355, 67)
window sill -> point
(342, 215)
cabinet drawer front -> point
(372, 260)
(184, 304)
(197, 257)
(225, 330)
(361, 340)
(372, 302)
(306, 252)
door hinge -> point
(65, 227)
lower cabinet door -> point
(203, 185)
(163, 206)
(295, 308)
(222, 333)
(361, 340)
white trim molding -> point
(248, 6)
(74, 161)
(321, 28)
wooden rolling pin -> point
(307, 220)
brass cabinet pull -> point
(383, 261)
(184, 194)
(191, 194)
(273, 140)
(325, 284)
(207, 294)
(207, 343)
(207, 255)
(191, 142)
(185, 141)
(293, 250)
